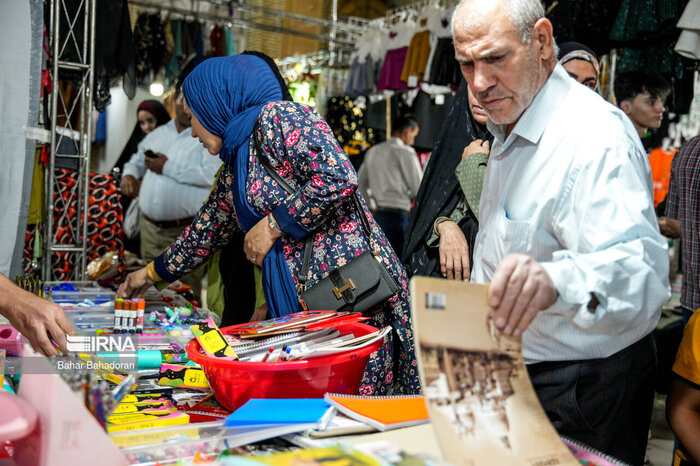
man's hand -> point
(454, 251)
(40, 321)
(135, 285)
(258, 242)
(475, 147)
(155, 164)
(669, 227)
(129, 186)
(520, 288)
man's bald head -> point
(523, 14)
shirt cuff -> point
(126, 171)
(162, 271)
(169, 169)
(572, 296)
(287, 223)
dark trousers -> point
(687, 313)
(605, 403)
(394, 223)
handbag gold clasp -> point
(348, 285)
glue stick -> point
(118, 313)
(141, 309)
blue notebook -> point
(260, 411)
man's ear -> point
(542, 34)
(626, 106)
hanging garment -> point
(151, 51)
(390, 75)
(416, 57)
(176, 59)
(645, 31)
(431, 109)
(445, 69)
(362, 76)
(688, 44)
(347, 121)
(216, 39)
(104, 228)
(114, 48)
(230, 42)
(587, 22)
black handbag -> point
(361, 285)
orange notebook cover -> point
(382, 412)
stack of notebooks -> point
(301, 335)
(331, 416)
(382, 412)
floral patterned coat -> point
(302, 149)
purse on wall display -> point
(361, 285)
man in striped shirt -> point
(568, 236)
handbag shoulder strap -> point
(308, 245)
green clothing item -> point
(470, 175)
(172, 70)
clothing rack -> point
(410, 11)
(340, 32)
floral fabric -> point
(302, 149)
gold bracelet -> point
(151, 272)
(437, 222)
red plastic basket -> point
(235, 382)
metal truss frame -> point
(71, 225)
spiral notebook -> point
(382, 412)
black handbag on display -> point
(361, 285)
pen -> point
(272, 348)
(285, 355)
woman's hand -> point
(475, 147)
(454, 252)
(135, 285)
(260, 313)
(258, 242)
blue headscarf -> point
(227, 94)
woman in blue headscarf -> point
(231, 101)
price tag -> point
(440, 99)
(412, 81)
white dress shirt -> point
(571, 187)
(187, 177)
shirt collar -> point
(537, 115)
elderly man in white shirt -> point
(176, 174)
(567, 236)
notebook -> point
(382, 412)
(483, 408)
(285, 323)
(310, 412)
